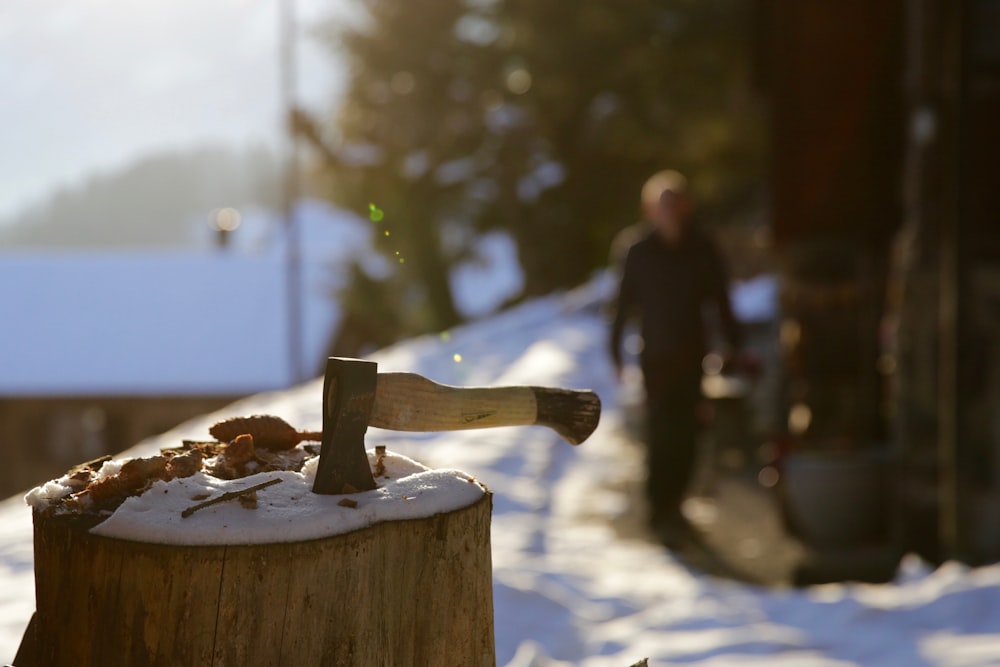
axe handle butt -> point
(572, 413)
(411, 402)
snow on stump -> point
(163, 575)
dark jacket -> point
(665, 286)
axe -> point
(356, 396)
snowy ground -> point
(567, 591)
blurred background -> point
(203, 200)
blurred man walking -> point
(667, 278)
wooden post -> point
(409, 592)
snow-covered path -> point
(567, 590)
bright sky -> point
(92, 84)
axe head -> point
(348, 396)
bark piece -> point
(268, 431)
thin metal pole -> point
(948, 390)
(950, 302)
(293, 255)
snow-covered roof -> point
(213, 322)
(142, 324)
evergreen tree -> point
(409, 144)
(619, 90)
(541, 117)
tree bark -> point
(414, 592)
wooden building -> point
(885, 120)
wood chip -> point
(249, 500)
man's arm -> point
(623, 308)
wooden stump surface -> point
(413, 592)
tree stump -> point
(404, 592)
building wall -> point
(834, 88)
(832, 75)
(42, 437)
(946, 290)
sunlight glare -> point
(519, 81)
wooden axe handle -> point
(410, 402)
